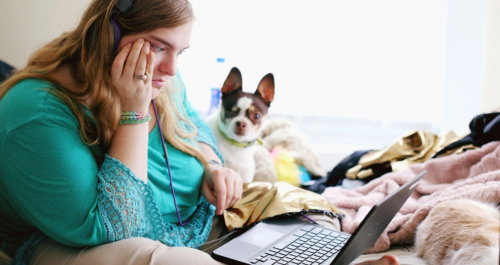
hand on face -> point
(221, 187)
(133, 59)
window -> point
(381, 60)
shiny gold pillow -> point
(261, 200)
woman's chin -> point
(154, 92)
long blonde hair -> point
(88, 51)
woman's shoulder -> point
(32, 99)
(30, 88)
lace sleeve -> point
(126, 204)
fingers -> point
(221, 187)
(233, 187)
(140, 67)
(208, 193)
(150, 66)
(117, 68)
(220, 191)
(229, 192)
(231, 183)
(130, 64)
(238, 187)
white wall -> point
(27, 24)
(364, 59)
(464, 52)
(490, 97)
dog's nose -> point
(241, 125)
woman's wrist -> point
(213, 162)
(134, 117)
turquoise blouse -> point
(51, 183)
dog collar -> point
(239, 144)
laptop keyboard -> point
(310, 245)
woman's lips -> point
(158, 83)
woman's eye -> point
(158, 48)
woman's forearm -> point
(130, 146)
(209, 152)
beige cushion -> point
(406, 255)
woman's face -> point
(167, 44)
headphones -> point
(122, 6)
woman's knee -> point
(132, 251)
(146, 251)
(136, 250)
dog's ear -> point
(233, 81)
(266, 88)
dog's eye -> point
(256, 116)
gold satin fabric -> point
(261, 200)
(459, 150)
(413, 147)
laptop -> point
(293, 241)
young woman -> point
(103, 160)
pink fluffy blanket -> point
(474, 174)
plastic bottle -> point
(218, 77)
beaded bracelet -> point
(134, 117)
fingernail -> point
(141, 40)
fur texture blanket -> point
(282, 132)
(474, 174)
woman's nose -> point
(168, 65)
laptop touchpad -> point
(260, 236)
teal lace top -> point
(51, 183)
